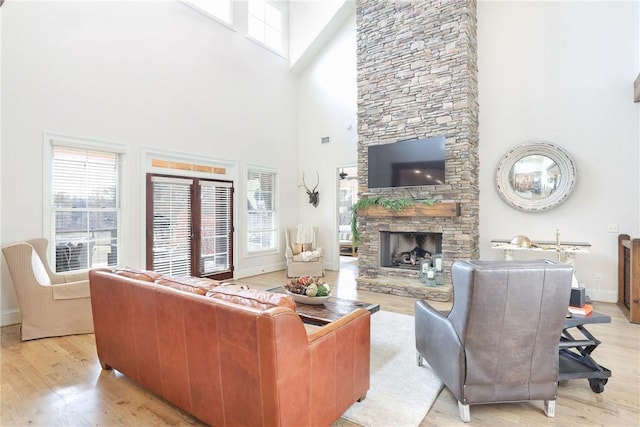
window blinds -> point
(215, 227)
(192, 226)
(261, 221)
(85, 205)
(172, 226)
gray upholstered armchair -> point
(499, 342)
(51, 304)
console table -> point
(566, 251)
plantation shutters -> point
(190, 227)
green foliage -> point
(395, 204)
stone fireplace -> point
(417, 78)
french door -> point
(189, 226)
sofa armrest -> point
(72, 290)
(438, 342)
(331, 327)
(288, 254)
(340, 362)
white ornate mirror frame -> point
(535, 176)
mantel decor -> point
(399, 207)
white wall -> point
(327, 108)
(307, 19)
(151, 75)
(563, 72)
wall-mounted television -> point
(407, 163)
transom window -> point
(266, 24)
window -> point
(84, 207)
(220, 9)
(261, 215)
(171, 246)
(190, 226)
(215, 227)
(266, 24)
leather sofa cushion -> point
(135, 273)
(194, 285)
(262, 300)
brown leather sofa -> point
(228, 356)
(499, 342)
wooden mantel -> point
(442, 209)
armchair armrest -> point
(288, 253)
(75, 277)
(438, 342)
(73, 290)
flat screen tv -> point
(407, 163)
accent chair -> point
(51, 304)
(499, 342)
(304, 258)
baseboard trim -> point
(248, 272)
(602, 295)
(10, 317)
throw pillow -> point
(136, 273)
(262, 300)
(195, 285)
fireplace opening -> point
(406, 250)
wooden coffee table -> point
(333, 309)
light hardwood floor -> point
(58, 381)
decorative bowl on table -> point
(308, 290)
(307, 300)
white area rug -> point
(401, 392)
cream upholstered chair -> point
(499, 342)
(51, 304)
(304, 258)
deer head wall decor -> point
(314, 196)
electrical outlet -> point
(612, 228)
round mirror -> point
(535, 176)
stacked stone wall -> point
(417, 77)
